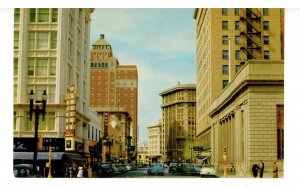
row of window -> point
(99, 65)
(225, 69)
(237, 11)
(238, 55)
(41, 15)
(225, 26)
(225, 40)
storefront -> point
(24, 150)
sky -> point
(160, 42)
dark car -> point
(156, 169)
(23, 170)
(172, 167)
(186, 169)
(198, 167)
(105, 170)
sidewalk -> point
(267, 174)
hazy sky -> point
(160, 42)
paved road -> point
(142, 173)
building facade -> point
(178, 122)
(142, 153)
(112, 84)
(154, 143)
(226, 39)
(51, 53)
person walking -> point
(261, 169)
(80, 172)
(255, 170)
(85, 172)
(275, 170)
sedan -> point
(208, 171)
(23, 170)
(156, 169)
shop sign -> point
(27, 144)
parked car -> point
(198, 167)
(122, 168)
(116, 169)
(208, 171)
(172, 167)
(105, 170)
(128, 167)
(185, 169)
(156, 169)
(23, 170)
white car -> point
(208, 171)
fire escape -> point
(250, 34)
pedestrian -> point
(255, 170)
(74, 169)
(261, 168)
(275, 170)
(85, 171)
(80, 172)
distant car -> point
(105, 170)
(128, 167)
(122, 168)
(185, 169)
(208, 171)
(198, 167)
(172, 167)
(116, 169)
(156, 169)
(23, 170)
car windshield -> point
(105, 165)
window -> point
(224, 11)
(266, 40)
(52, 67)
(224, 25)
(265, 11)
(16, 40)
(54, 14)
(237, 25)
(32, 15)
(237, 54)
(44, 15)
(237, 68)
(225, 40)
(53, 40)
(237, 40)
(225, 83)
(280, 131)
(237, 11)
(16, 65)
(42, 40)
(31, 67)
(41, 67)
(267, 55)
(17, 15)
(225, 54)
(266, 25)
(225, 69)
(31, 43)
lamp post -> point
(37, 112)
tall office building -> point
(225, 40)
(178, 121)
(51, 54)
(113, 85)
(235, 49)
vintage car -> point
(156, 169)
(23, 170)
(185, 169)
(105, 170)
(208, 171)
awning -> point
(75, 156)
(40, 155)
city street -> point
(142, 173)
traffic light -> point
(40, 143)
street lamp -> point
(37, 112)
(109, 144)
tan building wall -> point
(178, 122)
(244, 117)
(154, 143)
(212, 40)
